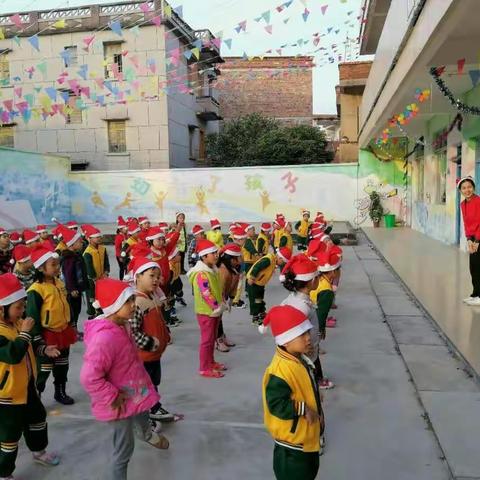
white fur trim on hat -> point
(329, 268)
(13, 297)
(293, 333)
(279, 254)
(463, 179)
(306, 277)
(22, 260)
(145, 266)
(76, 237)
(145, 220)
(206, 251)
(33, 239)
(157, 235)
(232, 253)
(119, 302)
(46, 256)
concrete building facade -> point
(279, 87)
(426, 60)
(132, 99)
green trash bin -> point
(389, 221)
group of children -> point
(129, 320)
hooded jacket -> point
(111, 365)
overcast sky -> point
(224, 15)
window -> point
(7, 136)
(441, 156)
(112, 53)
(117, 142)
(4, 69)
(74, 115)
(191, 142)
(71, 59)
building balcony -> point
(210, 51)
(208, 107)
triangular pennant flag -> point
(116, 27)
(2, 34)
(27, 115)
(305, 14)
(52, 93)
(258, 19)
(168, 10)
(16, 20)
(188, 54)
(65, 96)
(269, 29)
(228, 43)
(135, 30)
(324, 9)
(83, 72)
(145, 7)
(42, 68)
(286, 21)
(217, 42)
(29, 98)
(60, 24)
(88, 41)
(66, 56)
(157, 20)
(197, 43)
(179, 11)
(460, 66)
(475, 77)
(196, 53)
(8, 105)
(18, 91)
(287, 4)
(439, 70)
(34, 42)
(266, 16)
(279, 51)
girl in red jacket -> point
(471, 221)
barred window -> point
(73, 57)
(74, 115)
(117, 141)
(4, 69)
(7, 138)
(112, 53)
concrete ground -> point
(375, 422)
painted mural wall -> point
(36, 188)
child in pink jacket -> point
(113, 375)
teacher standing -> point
(470, 207)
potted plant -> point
(376, 209)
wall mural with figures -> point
(40, 187)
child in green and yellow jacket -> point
(292, 407)
(303, 228)
(21, 410)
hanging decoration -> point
(436, 73)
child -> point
(286, 239)
(120, 238)
(239, 236)
(133, 229)
(215, 235)
(5, 251)
(263, 240)
(15, 238)
(47, 304)
(292, 407)
(60, 246)
(182, 241)
(144, 223)
(44, 235)
(74, 273)
(148, 326)
(208, 306)
(229, 266)
(303, 227)
(31, 238)
(21, 410)
(249, 252)
(328, 263)
(176, 284)
(258, 277)
(23, 266)
(277, 230)
(96, 261)
(198, 234)
(112, 373)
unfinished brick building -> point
(279, 87)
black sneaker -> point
(239, 304)
(161, 415)
(181, 301)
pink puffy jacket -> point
(110, 365)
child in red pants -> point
(208, 305)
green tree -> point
(259, 140)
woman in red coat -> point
(470, 207)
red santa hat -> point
(232, 226)
(142, 220)
(320, 218)
(302, 268)
(232, 249)
(30, 236)
(15, 238)
(140, 249)
(155, 232)
(197, 229)
(163, 226)
(21, 254)
(215, 223)
(317, 232)
(286, 323)
(315, 248)
(69, 237)
(90, 231)
(41, 229)
(111, 295)
(141, 264)
(72, 225)
(266, 227)
(285, 254)
(40, 254)
(329, 261)
(11, 290)
(238, 233)
(121, 223)
(133, 226)
(204, 247)
(2, 231)
(246, 226)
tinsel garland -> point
(461, 107)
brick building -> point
(353, 78)
(279, 87)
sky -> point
(224, 16)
